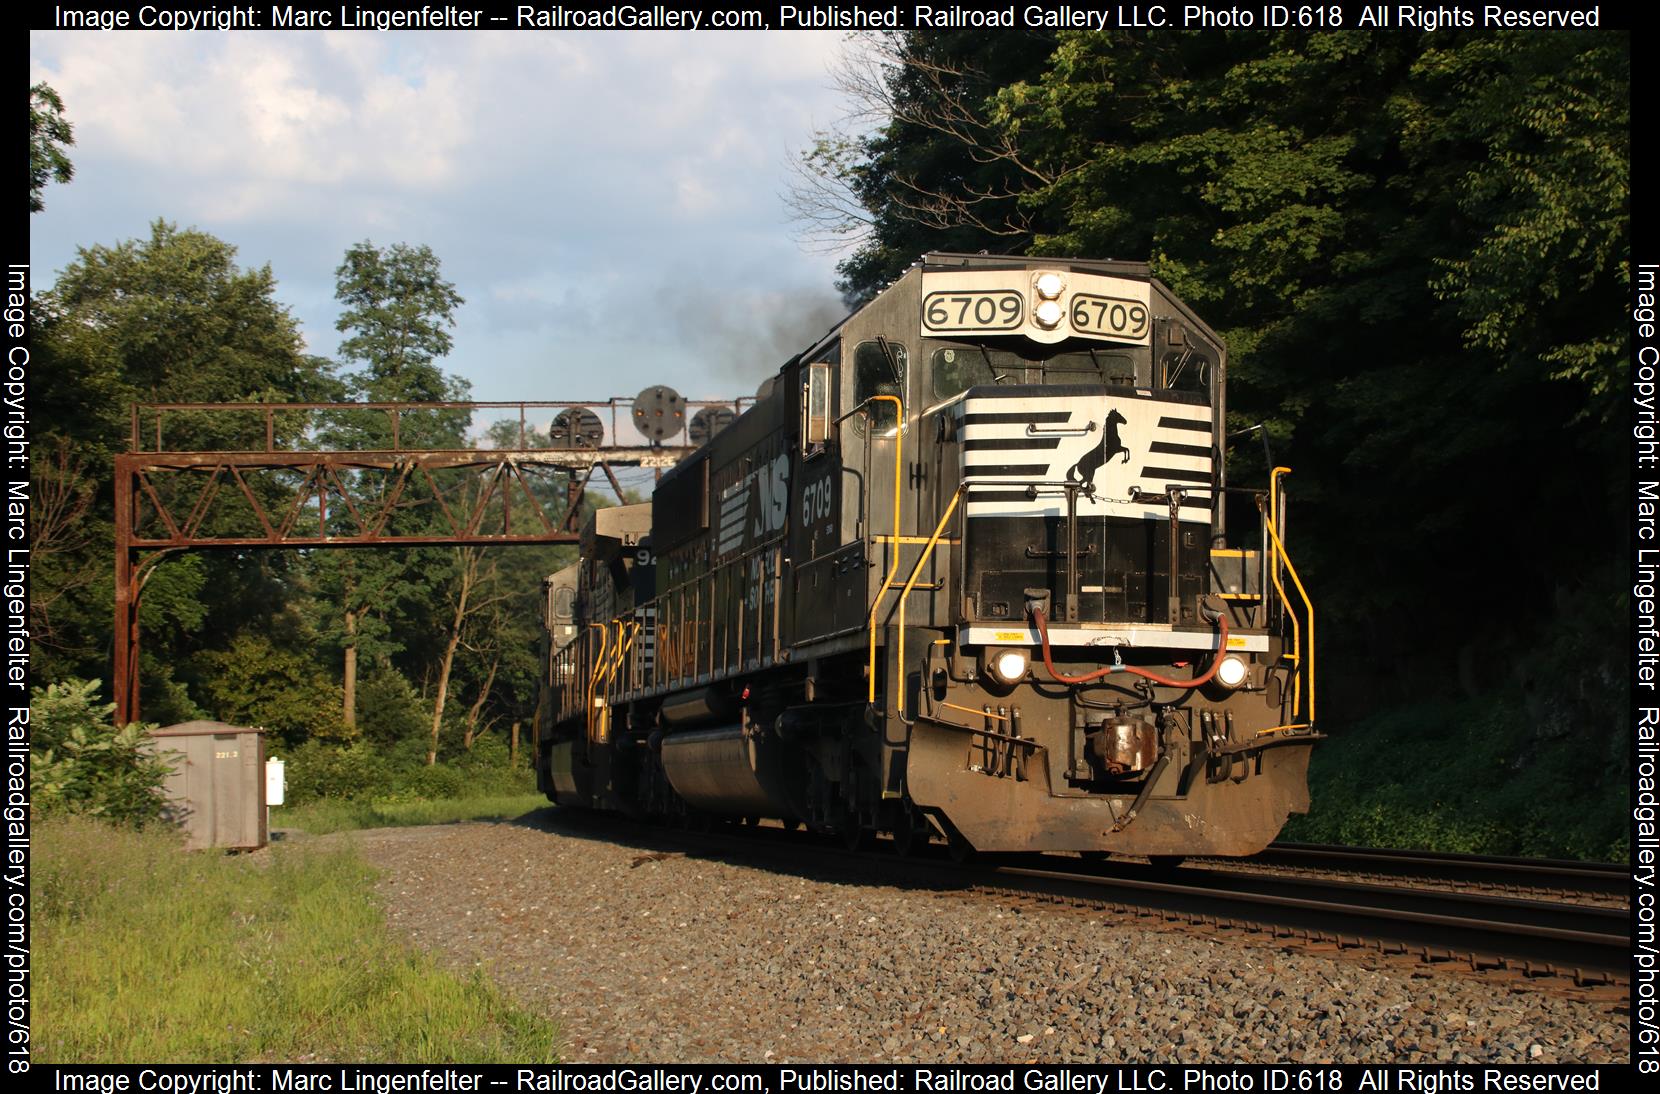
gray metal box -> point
(217, 788)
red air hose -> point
(1197, 681)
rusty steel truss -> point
(245, 476)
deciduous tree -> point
(168, 318)
(49, 133)
(396, 311)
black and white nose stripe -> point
(1119, 445)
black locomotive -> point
(970, 567)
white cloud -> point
(557, 176)
(692, 196)
(245, 129)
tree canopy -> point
(1416, 246)
(49, 133)
(396, 309)
(270, 638)
(170, 318)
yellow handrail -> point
(898, 468)
(1296, 653)
(624, 647)
(614, 662)
(1308, 605)
(593, 678)
(904, 594)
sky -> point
(608, 203)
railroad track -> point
(1607, 880)
(1533, 938)
(1540, 940)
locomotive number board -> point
(1111, 317)
(951, 312)
(967, 302)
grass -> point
(331, 815)
(146, 953)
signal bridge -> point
(243, 476)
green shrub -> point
(438, 781)
(389, 711)
(317, 770)
(1473, 776)
(79, 762)
(254, 683)
(489, 751)
(407, 754)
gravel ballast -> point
(642, 954)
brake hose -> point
(1197, 681)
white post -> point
(274, 784)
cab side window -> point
(818, 400)
(874, 373)
(957, 370)
(1185, 370)
(815, 408)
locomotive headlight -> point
(1232, 671)
(1007, 666)
(1049, 285)
(1047, 314)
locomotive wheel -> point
(907, 841)
(854, 836)
(910, 833)
(960, 850)
(1165, 863)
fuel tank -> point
(717, 771)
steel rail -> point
(1587, 945)
(1590, 945)
(1560, 875)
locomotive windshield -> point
(874, 374)
(957, 368)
